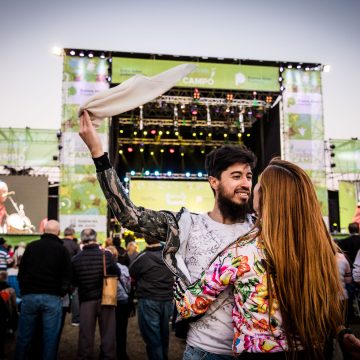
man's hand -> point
(90, 136)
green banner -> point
(347, 203)
(28, 147)
(346, 156)
(206, 75)
(81, 201)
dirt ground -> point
(135, 345)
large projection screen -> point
(32, 193)
(195, 195)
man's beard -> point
(231, 210)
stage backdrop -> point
(303, 127)
(81, 201)
(32, 193)
(171, 195)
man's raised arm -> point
(135, 218)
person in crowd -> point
(192, 240)
(123, 306)
(19, 252)
(287, 294)
(8, 311)
(87, 276)
(154, 290)
(123, 257)
(73, 248)
(5, 259)
(132, 250)
(351, 245)
(3, 213)
(44, 277)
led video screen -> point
(195, 195)
(23, 203)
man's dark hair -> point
(353, 228)
(88, 235)
(150, 240)
(218, 160)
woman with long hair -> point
(286, 285)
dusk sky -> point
(321, 31)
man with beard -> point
(192, 240)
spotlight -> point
(225, 135)
(160, 132)
(121, 131)
(90, 55)
(156, 173)
(121, 152)
(81, 54)
(145, 133)
(199, 174)
(141, 149)
(167, 132)
(187, 174)
(326, 68)
(152, 153)
(248, 135)
(194, 134)
(102, 56)
(161, 150)
(298, 66)
(169, 173)
(130, 149)
(282, 88)
(57, 51)
(176, 133)
(171, 150)
(281, 69)
(126, 179)
(239, 135)
(132, 173)
(153, 132)
(280, 79)
(182, 154)
(135, 133)
(307, 68)
(147, 172)
(72, 52)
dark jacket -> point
(45, 267)
(71, 246)
(350, 246)
(87, 271)
(153, 279)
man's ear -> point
(214, 182)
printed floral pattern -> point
(240, 265)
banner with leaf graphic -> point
(303, 127)
(81, 201)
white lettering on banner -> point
(198, 81)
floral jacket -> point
(240, 265)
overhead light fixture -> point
(102, 56)
(81, 54)
(72, 52)
(90, 55)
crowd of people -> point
(261, 282)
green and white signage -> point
(81, 201)
(206, 75)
